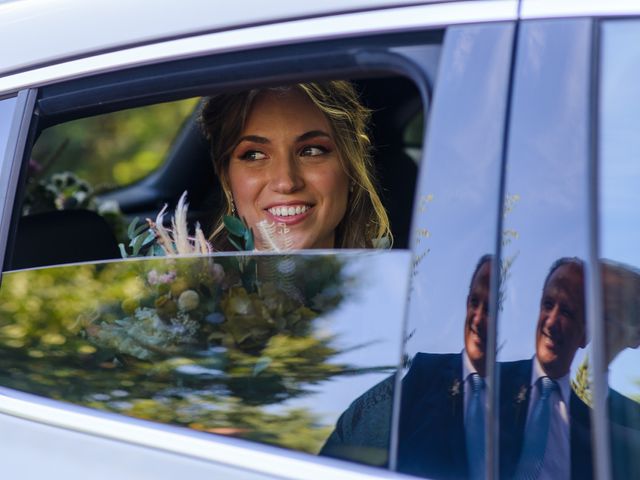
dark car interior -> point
(85, 236)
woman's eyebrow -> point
(253, 138)
(313, 134)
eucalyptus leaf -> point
(148, 239)
(234, 225)
(235, 244)
(131, 228)
(137, 244)
(140, 228)
(249, 240)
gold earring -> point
(233, 208)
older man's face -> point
(475, 326)
(561, 325)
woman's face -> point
(286, 170)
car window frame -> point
(11, 163)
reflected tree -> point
(180, 341)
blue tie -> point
(535, 442)
(475, 428)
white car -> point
(502, 129)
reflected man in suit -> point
(436, 398)
(544, 426)
(441, 430)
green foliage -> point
(239, 228)
(113, 149)
(132, 338)
(582, 383)
(141, 241)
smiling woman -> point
(297, 157)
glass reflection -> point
(619, 108)
(441, 426)
(442, 415)
(542, 338)
(265, 348)
(543, 422)
(443, 397)
(621, 293)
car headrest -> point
(59, 237)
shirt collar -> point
(467, 366)
(563, 382)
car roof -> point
(43, 32)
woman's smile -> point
(290, 213)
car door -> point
(79, 389)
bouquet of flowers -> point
(225, 319)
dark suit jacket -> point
(431, 440)
(431, 431)
(363, 430)
(514, 403)
(624, 426)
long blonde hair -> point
(223, 118)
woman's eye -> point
(253, 155)
(313, 151)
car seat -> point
(59, 237)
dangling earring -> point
(233, 208)
(351, 187)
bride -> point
(297, 157)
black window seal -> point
(12, 165)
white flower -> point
(217, 272)
(188, 300)
(108, 206)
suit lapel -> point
(514, 404)
(431, 439)
(580, 438)
(456, 434)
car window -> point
(412, 136)
(107, 151)
(454, 241)
(67, 197)
(271, 347)
(619, 176)
(264, 348)
(543, 349)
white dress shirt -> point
(557, 457)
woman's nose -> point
(285, 175)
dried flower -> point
(176, 241)
(217, 272)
